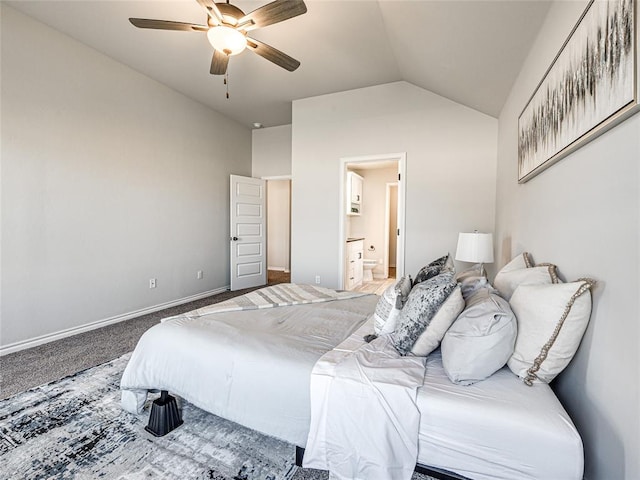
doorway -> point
(376, 219)
(278, 229)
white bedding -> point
(252, 367)
(496, 429)
(364, 417)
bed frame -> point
(165, 417)
(431, 471)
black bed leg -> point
(165, 415)
(299, 456)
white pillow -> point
(390, 304)
(481, 340)
(551, 322)
(520, 271)
(518, 263)
(430, 339)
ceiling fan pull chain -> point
(226, 81)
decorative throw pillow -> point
(481, 340)
(470, 272)
(423, 303)
(442, 264)
(430, 339)
(551, 322)
(520, 271)
(390, 304)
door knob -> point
(234, 239)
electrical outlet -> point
(152, 283)
(199, 275)
(318, 279)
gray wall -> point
(451, 167)
(278, 224)
(271, 152)
(108, 179)
(583, 214)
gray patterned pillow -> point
(423, 303)
(442, 264)
(390, 304)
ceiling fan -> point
(227, 28)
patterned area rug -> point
(75, 428)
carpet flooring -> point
(51, 361)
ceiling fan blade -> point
(219, 63)
(273, 12)
(273, 54)
(167, 25)
(212, 10)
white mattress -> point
(496, 429)
(252, 367)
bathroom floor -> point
(378, 286)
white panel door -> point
(248, 232)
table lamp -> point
(475, 247)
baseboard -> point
(50, 337)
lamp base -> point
(165, 415)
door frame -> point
(401, 158)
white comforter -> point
(251, 367)
(364, 415)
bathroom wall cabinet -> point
(354, 193)
(354, 268)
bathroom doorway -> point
(278, 229)
(371, 248)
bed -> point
(496, 429)
(249, 366)
(253, 367)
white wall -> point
(370, 224)
(108, 179)
(583, 214)
(271, 152)
(451, 167)
(278, 224)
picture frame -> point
(592, 85)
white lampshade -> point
(475, 247)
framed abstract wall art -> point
(591, 85)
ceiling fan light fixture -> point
(226, 39)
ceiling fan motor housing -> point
(230, 14)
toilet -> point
(368, 266)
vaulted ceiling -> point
(468, 51)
